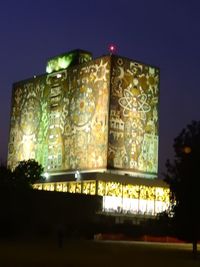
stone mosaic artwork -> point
(100, 114)
(133, 122)
(61, 119)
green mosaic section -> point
(65, 60)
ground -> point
(29, 253)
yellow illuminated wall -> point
(113, 189)
(100, 114)
(61, 119)
(118, 197)
(133, 121)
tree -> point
(183, 177)
(5, 176)
(28, 171)
(16, 196)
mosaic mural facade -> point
(100, 114)
(133, 122)
(61, 119)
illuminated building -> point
(93, 125)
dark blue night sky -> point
(158, 32)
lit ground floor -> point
(120, 193)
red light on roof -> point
(112, 48)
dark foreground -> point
(91, 253)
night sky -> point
(157, 32)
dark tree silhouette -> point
(16, 196)
(5, 176)
(28, 171)
(183, 176)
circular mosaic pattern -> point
(82, 106)
(30, 116)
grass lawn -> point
(42, 253)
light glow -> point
(59, 75)
(46, 175)
(112, 48)
(59, 63)
(118, 197)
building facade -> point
(88, 116)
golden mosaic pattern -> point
(133, 122)
(61, 119)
